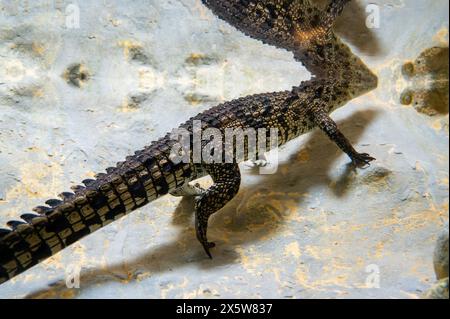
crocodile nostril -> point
(406, 98)
(427, 78)
(408, 69)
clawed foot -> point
(362, 160)
(207, 246)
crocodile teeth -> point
(53, 202)
(28, 217)
(42, 210)
(14, 224)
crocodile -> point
(299, 26)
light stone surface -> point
(314, 230)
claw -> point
(207, 246)
(362, 160)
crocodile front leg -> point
(326, 124)
(227, 179)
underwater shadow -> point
(351, 26)
(249, 217)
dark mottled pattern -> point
(294, 25)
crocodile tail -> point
(139, 180)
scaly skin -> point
(294, 25)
